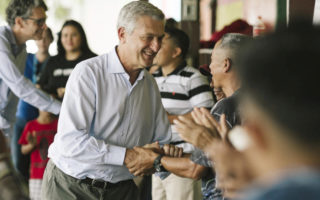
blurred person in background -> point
(281, 125)
(182, 87)
(26, 21)
(36, 63)
(281, 122)
(72, 49)
(35, 140)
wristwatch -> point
(157, 164)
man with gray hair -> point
(223, 70)
(26, 21)
(111, 106)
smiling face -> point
(34, 25)
(142, 45)
(70, 38)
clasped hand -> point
(139, 160)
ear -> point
(227, 65)
(177, 52)
(122, 35)
(19, 22)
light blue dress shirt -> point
(102, 114)
(13, 84)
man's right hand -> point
(139, 160)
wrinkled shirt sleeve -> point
(23, 88)
(75, 122)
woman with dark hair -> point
(72, 49)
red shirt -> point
(39, 156)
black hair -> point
(84, 43)
(171, 23)
(179, 38)
(279, 73)
(49, 32)
(22, 8)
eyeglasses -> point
(40, 22)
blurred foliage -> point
(3, 6)
(61, 12)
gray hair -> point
(233, 42)
(131, 11)
(22, 8)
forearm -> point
(27, 148)
(183, 167)
(25, 89)
(173, 117)
(140, 160)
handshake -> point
(142, 160)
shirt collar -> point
(175, 72)
(115, 66)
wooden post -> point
(190, 24)
(298, 9)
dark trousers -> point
(58, 185)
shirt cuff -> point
(115, 155)
(55, 107)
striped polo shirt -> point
(182, 90)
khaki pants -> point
(57, 185)
(175, 188)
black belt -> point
(102, 184)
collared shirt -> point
(13, 84)
(184, 89)
(103, 114)
(181, 91)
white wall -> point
(171, 8)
